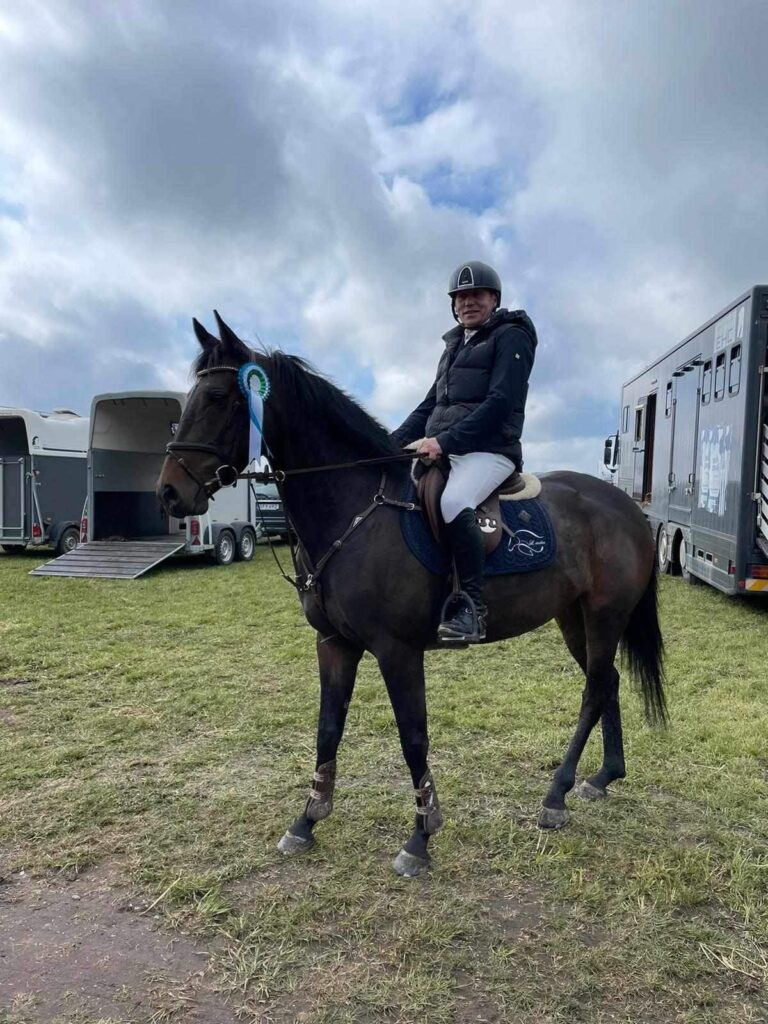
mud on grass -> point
(163, 734)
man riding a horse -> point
(473, 416)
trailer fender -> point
(216, 529)
(55, 531)
(238, 528)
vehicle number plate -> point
(269, 506)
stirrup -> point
(447, 639)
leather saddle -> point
(430, 485)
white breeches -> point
(471, 480)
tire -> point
(663, 551)
(225, 548)
(13, 549)
(685, 572)
(246, 546)
(68, 541)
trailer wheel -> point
(68, 540)
(224, 548)
(13, 549)
(246, 546)
(663, 551)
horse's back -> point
(582, 505)
(591, 489)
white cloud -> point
(315, 172)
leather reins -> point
(226, 475)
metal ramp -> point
(111, 559)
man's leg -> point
(471, 480)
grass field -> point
(164, 728)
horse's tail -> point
(642, 648)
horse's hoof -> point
(553, 817)
(291, 843)
(586, 791)
(408, 866)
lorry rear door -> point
(685, 423)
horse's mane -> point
(306, 393)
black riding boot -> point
(468, 549)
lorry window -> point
(720, 376)
(625, 419)
(668, 400)
(706, 382)
(734, 371)
(639, 422)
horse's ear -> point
(228, 337)
(205, 338)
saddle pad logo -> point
(527, 543)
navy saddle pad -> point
(534, 545)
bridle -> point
(226, 475)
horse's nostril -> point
(168, 494)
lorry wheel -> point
(224, 548)
(68, 540)
(663, 551)
(685, 572)
(246, 546)
(13, 549)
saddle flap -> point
(430, 486)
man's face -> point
(474, 306)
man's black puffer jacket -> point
(477, 403)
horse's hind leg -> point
(338, 661)
(602, 638)
(594, 788)
(403, 672)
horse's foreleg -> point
(338, 661)
(403, 672)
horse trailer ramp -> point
(111, 559)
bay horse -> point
(362, 589)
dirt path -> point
(83, 950)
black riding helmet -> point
(473, 274)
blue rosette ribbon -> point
(254, 383)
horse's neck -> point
(321, 505)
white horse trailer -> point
(42, 478)
(125, 531)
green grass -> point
(167, 726)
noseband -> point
(226, 474)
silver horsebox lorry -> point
(125, 531)
(692, 449)
(42, 478)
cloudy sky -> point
(316, 170)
